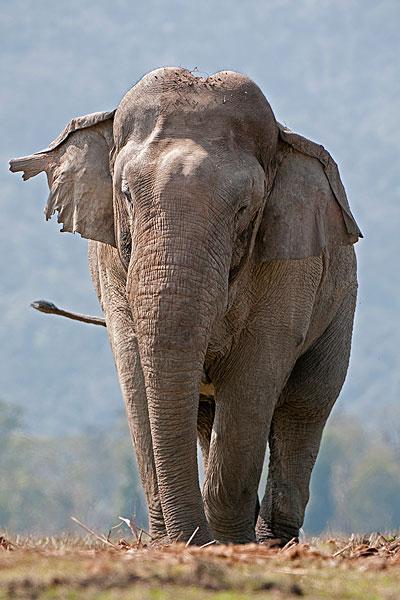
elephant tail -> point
(51, 309)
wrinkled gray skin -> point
(217, 266)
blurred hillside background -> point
(330, 69)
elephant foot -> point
(159, 541)
(232, 537)
(274, 542)
(276, 535)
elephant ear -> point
(78, 174)
(307, 208)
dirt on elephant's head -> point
(173, 102)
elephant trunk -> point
(175, 295)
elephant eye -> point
(241, 209)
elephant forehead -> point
(185, 158)
(183, 164)
(174, 100)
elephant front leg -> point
(243, 412)
(124, 344)
(248, 383)
(297, 427)
(109, 280)
(237, 450)
(205, 422)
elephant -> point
(221, 250)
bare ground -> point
(75, 568)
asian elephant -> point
(221, 249)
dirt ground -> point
(74, 568)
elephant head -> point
(179, 180)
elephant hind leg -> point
(297, 427)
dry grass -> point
(72, 567)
